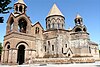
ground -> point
(96, 64)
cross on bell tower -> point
(20, 7)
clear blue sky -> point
(38, 9)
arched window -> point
(20, 8)
(78, 30)
(22, 25)
(53, 25)
(52, 47)
(89, 49)
(45, 48)
(16, 8)
(84, 30)
(49, 43)
(48, 26)
(37, 30)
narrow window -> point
(52, 47)
(37, 30)
(66, 45)
(58, 26)
(16, 8)
(49, 43)
(20, 8)
(45, 48)
(62, 50)
(48, 26)
(53, 25)
(62, 25)
(89, 49)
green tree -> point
(4, 8)
(1, 48)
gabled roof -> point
(54, 11)
(36, 24)
(21, 1)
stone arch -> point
(6, 45)
(22, 42)
(22, 25)
(53, 20)
(21, 52)
(62, 21)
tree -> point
(1, 48)
(4, 9)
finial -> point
(78, 16)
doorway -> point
(21, 54)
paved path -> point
(57, 65)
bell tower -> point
(79, 26)
(78, 20)
(20, 7)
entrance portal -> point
(21, 54)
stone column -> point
(5, 56)
(2, 56)
(15, 26)
(26, 55)
(10, 56)
(14, 56)
(8, 28)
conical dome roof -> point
(21, 1)
(54, 11)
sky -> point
(37, 10)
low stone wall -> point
(60, 60)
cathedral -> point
(24, 41)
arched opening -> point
(22, 25)
(78, 30)
(84, 30)
(11, 24)
(20, 8)
(21, 54)
(16, 8)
